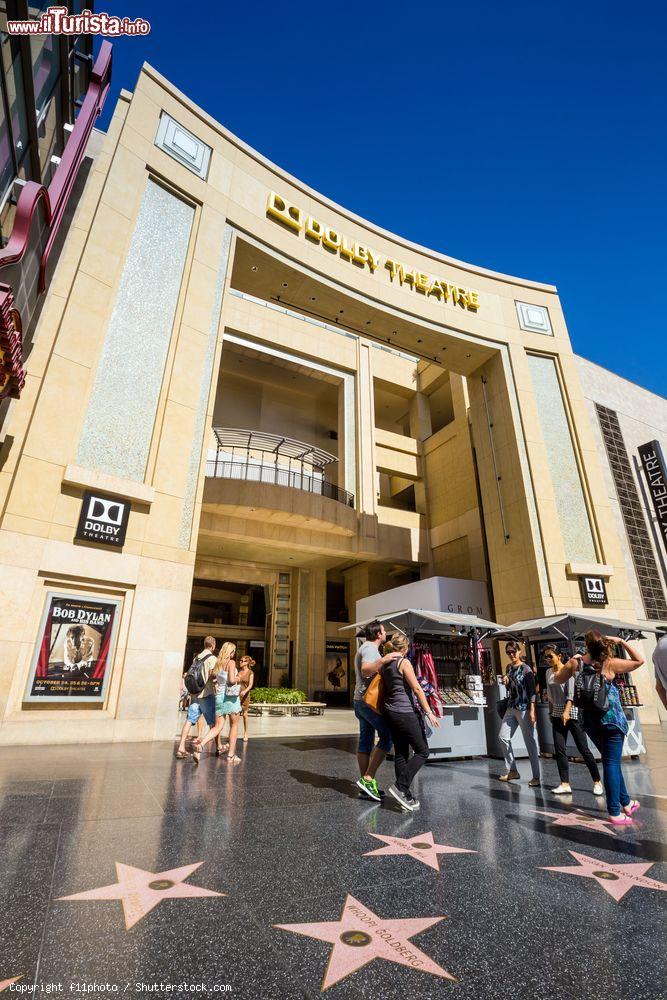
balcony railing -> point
(279, 477)
(268, 458)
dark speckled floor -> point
(283, 839)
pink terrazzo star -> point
(579, 819)
(140, 891)
(8, 982)
(360, 936)
(616, 879)
(420, 847)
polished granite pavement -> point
(127, 872)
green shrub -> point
(277, 696)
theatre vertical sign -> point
(653, 464)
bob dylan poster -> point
(73, 657)
(337, 667)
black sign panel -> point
(103, 519)
(593, 591)
(653, 463)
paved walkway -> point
(334, 722)
(123, 870)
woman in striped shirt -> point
(563, 720)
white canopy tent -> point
(412, 620)
(571, 626)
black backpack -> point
(194, 680)
(590, 690)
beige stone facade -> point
(418, 380)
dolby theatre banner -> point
(75, 649)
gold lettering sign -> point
(364, 256)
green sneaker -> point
(369, 787)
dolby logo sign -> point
(103, 519)
(593, 591)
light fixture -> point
(313, 298)
(284, 284)
(254, 268)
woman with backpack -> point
(405, 709)
(596, 695)
(227, 703)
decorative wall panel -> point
(121, 413)
(572, 513)
(534, 318)
(182, 145)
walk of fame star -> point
(420, 847)
(579, 819)
(361, 936)
(616, 879)
(8, 982)
(140, 891)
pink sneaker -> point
(632, 808)
(621, 820)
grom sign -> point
(103, 519)
(653, 464)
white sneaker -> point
(563, 789)
(598, 788)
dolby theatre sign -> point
(103, 519)
(364, 256)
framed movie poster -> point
(75, 647)
(337, 668)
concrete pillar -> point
(421, 429)
(341, 430)
(420, 417)
(365, 430)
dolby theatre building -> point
(245, 408)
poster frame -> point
(343, 648)
(92, 700)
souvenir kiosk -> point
(456, 644)
(566, 632)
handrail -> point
(220, 468)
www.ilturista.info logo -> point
(57, 21)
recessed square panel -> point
(534, 318)
(182, 145)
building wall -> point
(642, 416)
(166, 376)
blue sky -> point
(524, 137)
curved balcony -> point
(258, 457)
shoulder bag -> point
(374, 694)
